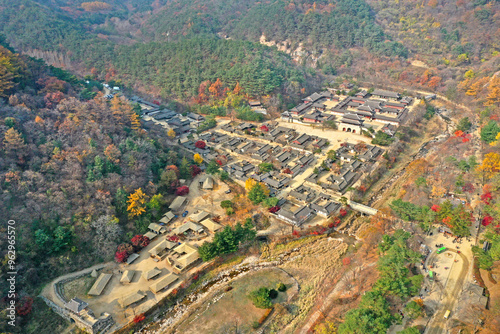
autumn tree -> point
(200, 144)
(171, 133)
(490, 165)
(249, 183)
(14, 143)
(137, 203)
(112, 153)
(197, 159)
(493, 97)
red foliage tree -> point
(140, 241)
(200, 144)
(140, 317)
(343, 212)
(24, 306)
(435, 208)
(296, 233)
(487, 220)
(486, 197)
(182, 191)
(218, 162)
(195, 170)
(287, 171)
(52, 99)
(346, 261)
(121, 257)
(264, 128)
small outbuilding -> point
(151, 273)
(132, 298)
(163, 283)
(100, 284)
(178, 203)
(127, 276)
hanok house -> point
(386, 94)
(302, 139)
(184, 256)
(324, 206)
(167, 217)
(254, 103)
(300, 109)
(178, 203)
(85, 319)
(199, 216)
(157, 228)
(100, 284)
(160, 251)
(127, 276)
(315, 117)
(296, 218)
(131, 299)
(195, 117)
(371, 153)
(189, 227)
(340, 183)
(313, 98)
(211, 225)
(163, 283)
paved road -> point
(450, 295)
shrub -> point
(260, 298)
(226, 204)
(273, 293)
(281, 287)
(140, 317)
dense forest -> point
(320, 24)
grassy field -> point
(78, 287)
(230, 310)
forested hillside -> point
(455, 32)
(78, 177)
(318, 24)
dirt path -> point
(437, 324)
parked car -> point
(228, 191)
(185, 213)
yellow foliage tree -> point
(137, 203)
(39, 120)
(14, 143)
(249, 183)
(171, 133)
(490, 165)
(197, 158)
(476, 87)
(493, 92)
